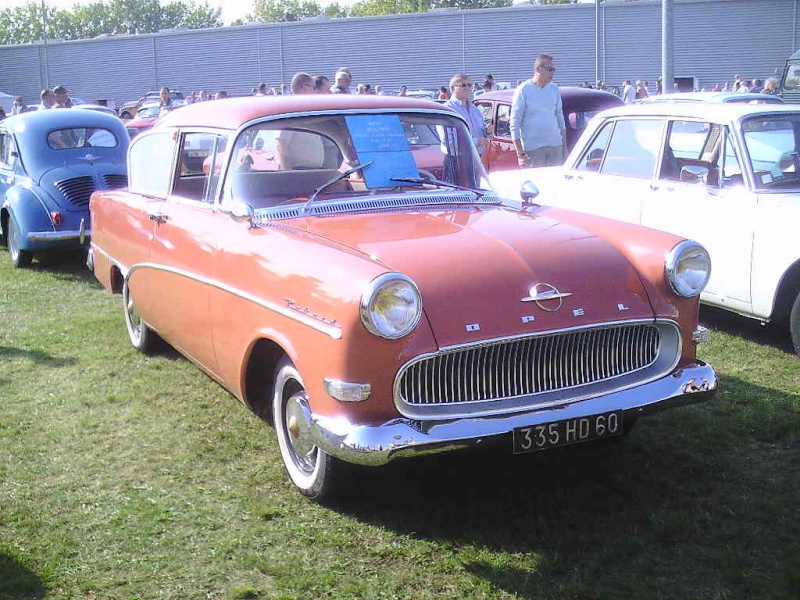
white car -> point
(724, 174)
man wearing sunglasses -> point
(537, 120)
(460, 89)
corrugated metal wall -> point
(714, 39)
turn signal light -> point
(56, 218)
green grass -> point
(125, 477)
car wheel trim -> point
(305, 463)
(19, 257)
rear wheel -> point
(310, 468)
(794, 324)
(144, 339)
(19, 258)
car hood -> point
(476, 269)
(71, 183)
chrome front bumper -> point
(381, 443)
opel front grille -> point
(542, 370)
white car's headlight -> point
(688, 268)
(391, 306)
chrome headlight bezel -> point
(387, 287)
(688, 268)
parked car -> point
(50, 163)
(97, 107)
(145, 119)
(129, 110)
(726, 175)
(376, 312)
(715, 97)
(578, 104)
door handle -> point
(158, 218)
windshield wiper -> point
(439, 182)
(327, 184)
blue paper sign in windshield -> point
(381, 139)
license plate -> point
(569, 431)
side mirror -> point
(528, 192)
(694, 174)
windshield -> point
(81, 137)
(773, 144)
(290, 159)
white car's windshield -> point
(773, 146)
(289, 159)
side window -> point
(503, 127)
(634, 148)
(593, 157)
(728, 167)
(199, 166)
(6, 147)
(690, 144)
(486, 112)
(150, 163)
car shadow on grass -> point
(775, 335)
(18, 582)
(693, 504)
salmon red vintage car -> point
(369, 292)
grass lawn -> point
(127, 477)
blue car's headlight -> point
(391, 306)
(688, 268)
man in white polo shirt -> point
(537, 120)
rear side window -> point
(150, 163)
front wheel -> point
(144, 339)
(794, 324)
(19, 258)
(310, 468)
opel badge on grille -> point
(546, 296)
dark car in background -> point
(579, 106)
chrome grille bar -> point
(536, 365)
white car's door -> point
(700, 194)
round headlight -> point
(688, 268)
(391, 306)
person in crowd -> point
(62, 97)
(744, 87)
(490, 79)
(537, 122)
(221, 95)
(299, 149)
(341, 83)
(659, 86)
(322, 85)
(442, 95)
(641, 90)
(770, 86)
(756, 86)
(260, 89)
(402, 91)
(3, 114)
(379, 90)
(18, 107)
(48, 99)
(628, 92)
(360, 89)
(165, 101)
(459, 101)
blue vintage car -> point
(50, 163)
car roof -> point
(722, 97)
(729, 111)
(574, 95)
(231, 113)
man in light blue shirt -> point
(537, 119)
(460, 88)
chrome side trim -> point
(331, 330)
(379, 444)
(56, 236)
